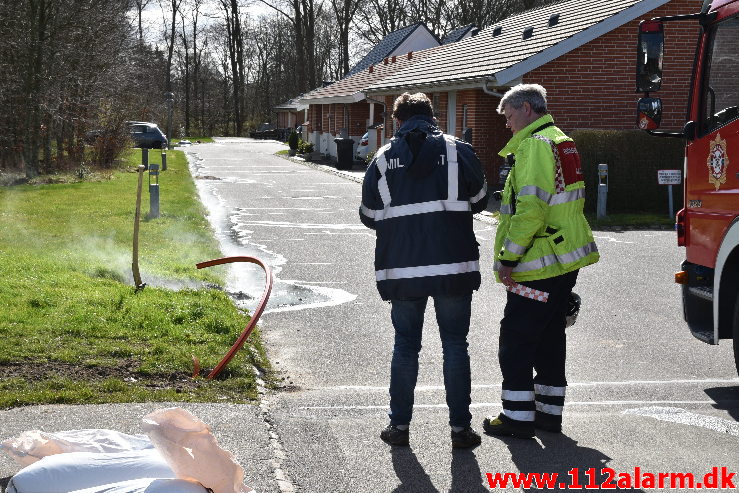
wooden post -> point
(135, 262)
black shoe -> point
(503, 426)
(394, 436)
(466, 438)
(548, 423)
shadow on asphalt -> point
(558, 453)
(725, 398)
(410, 472)
(466, 475)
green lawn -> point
(74, 328)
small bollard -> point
(602, 189)
(145, 158)
(164, 161)
(154, 191)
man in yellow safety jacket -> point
(542, 241)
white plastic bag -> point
(191, 450)
(148, 486)
(33, 445)
(61, 473)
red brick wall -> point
(489, 134)
(594, 86)
(358, 116)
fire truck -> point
(708, 225)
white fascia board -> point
(428, 87)
(351, 98)
(504, 77)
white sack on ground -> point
(62, 473)
(148, 486)
(33, 445)
(191, 450)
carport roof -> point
(502, 54)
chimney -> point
(371, 68)
(393, 58)
(384, 61)
(410, 55)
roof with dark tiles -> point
(500, 53)
(385, 48)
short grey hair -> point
(516, 96)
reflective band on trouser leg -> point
(549, 390)
(549, 399)
(453, 171)
(518, 404)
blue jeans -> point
(453, 317)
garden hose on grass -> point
(255, 316)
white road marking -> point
(571, 384)
(611, 239)
(681, 416)
(497, 404)
(284, 224)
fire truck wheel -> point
(736, 333)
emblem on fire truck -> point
(718, 161)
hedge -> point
(633, 158)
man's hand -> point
(504, 273)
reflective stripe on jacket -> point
(421, 201)
(542, 230)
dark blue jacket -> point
(419, 194)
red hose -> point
(252, 323)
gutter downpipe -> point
(384, 115)
(487, 90)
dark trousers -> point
(532, 339)
(453, 318)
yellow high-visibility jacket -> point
(542, 230)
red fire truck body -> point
(708, 225)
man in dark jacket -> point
(419, 194)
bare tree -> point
(140, 6)
(378, 18)
(170, 35)
(235, 41)
(344, 11)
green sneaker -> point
(466, 438)
(392, 435)
(503, 426)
